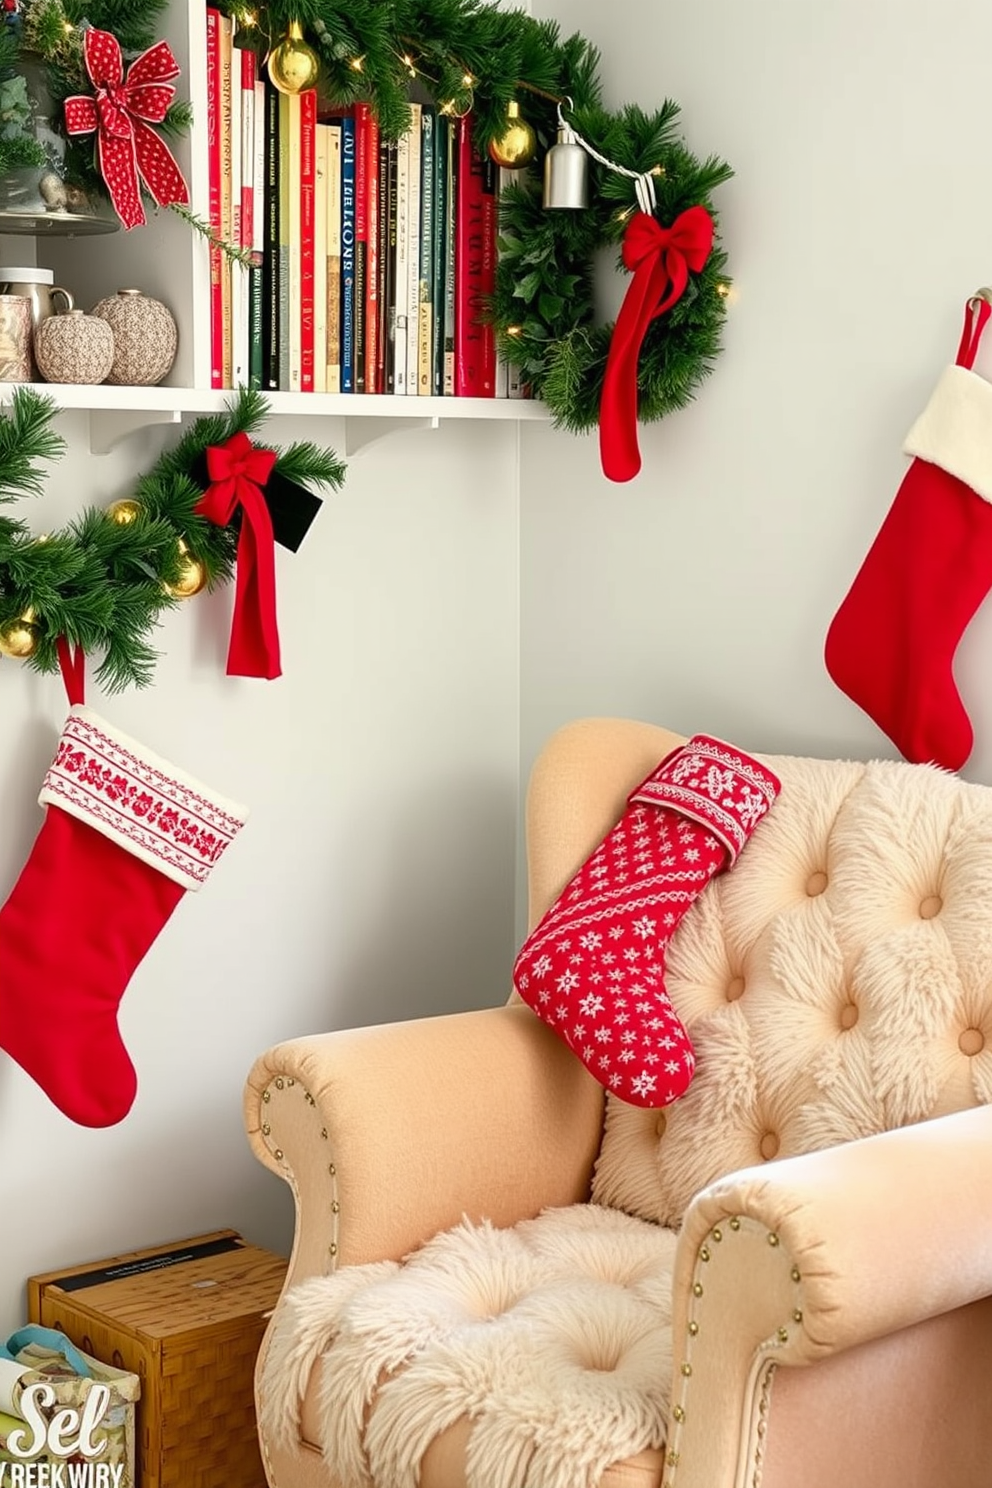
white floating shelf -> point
(117, 411)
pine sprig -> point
(104, 584)
(26, 438)
(308, 465)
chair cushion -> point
(835, 983)
(538, 1354)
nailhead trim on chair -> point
(734, 1225)
(278, 1090)
(281, 1084)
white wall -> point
(858, 222)
(374, 879)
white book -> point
(413, 248)
(246, 225)
(257, 244)
(402, 263)
(294, 171)
(258, 174)
(239, 293)
(321, 149)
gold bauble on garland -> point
(517, 146)
(124, 512)
(19, 636)
(293, 64)
(192, 576)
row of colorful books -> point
(370, 260)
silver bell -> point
(566, 171)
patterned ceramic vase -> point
(74, 348)
(145, 337)
(15, 339)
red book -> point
(471, 212)
(363, 120)
(213, 181)
(373, 328)
(487, 285)
(308, 197)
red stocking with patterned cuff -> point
(593, 970)
(125, 835)
(891, 645)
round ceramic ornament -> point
(74, 348)
(145, 337)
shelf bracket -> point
(359, 433)
(108, 426)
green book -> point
(428, 212)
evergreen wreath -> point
(103, 583)
(543, 308)
(468, 55)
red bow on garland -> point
(659, 258)
(122, 112)
(237, 473)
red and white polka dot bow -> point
(122, 112)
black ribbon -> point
(291, 506)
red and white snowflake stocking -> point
(125, 835)
(891, 645)
(594, 968)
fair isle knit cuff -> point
(139, 800)
(714, 784)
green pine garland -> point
(102, 584)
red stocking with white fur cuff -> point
(125, 835)
(593, 970)
(892, 643)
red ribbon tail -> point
(618, 448)
(119, 169)
(158, 166)
(254, 648)
(679, 272)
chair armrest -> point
(389, 1134)
(792, 1262)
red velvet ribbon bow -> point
(660, 259)
(237, 473)
(122, 113)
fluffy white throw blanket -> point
(553, 1338)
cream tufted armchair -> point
(785, 1278)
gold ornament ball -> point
(19, 637)
(192, 578)
(124, 512)
(293, 64)
(518, 144)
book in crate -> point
(187, 1318)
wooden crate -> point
(187, 1318)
